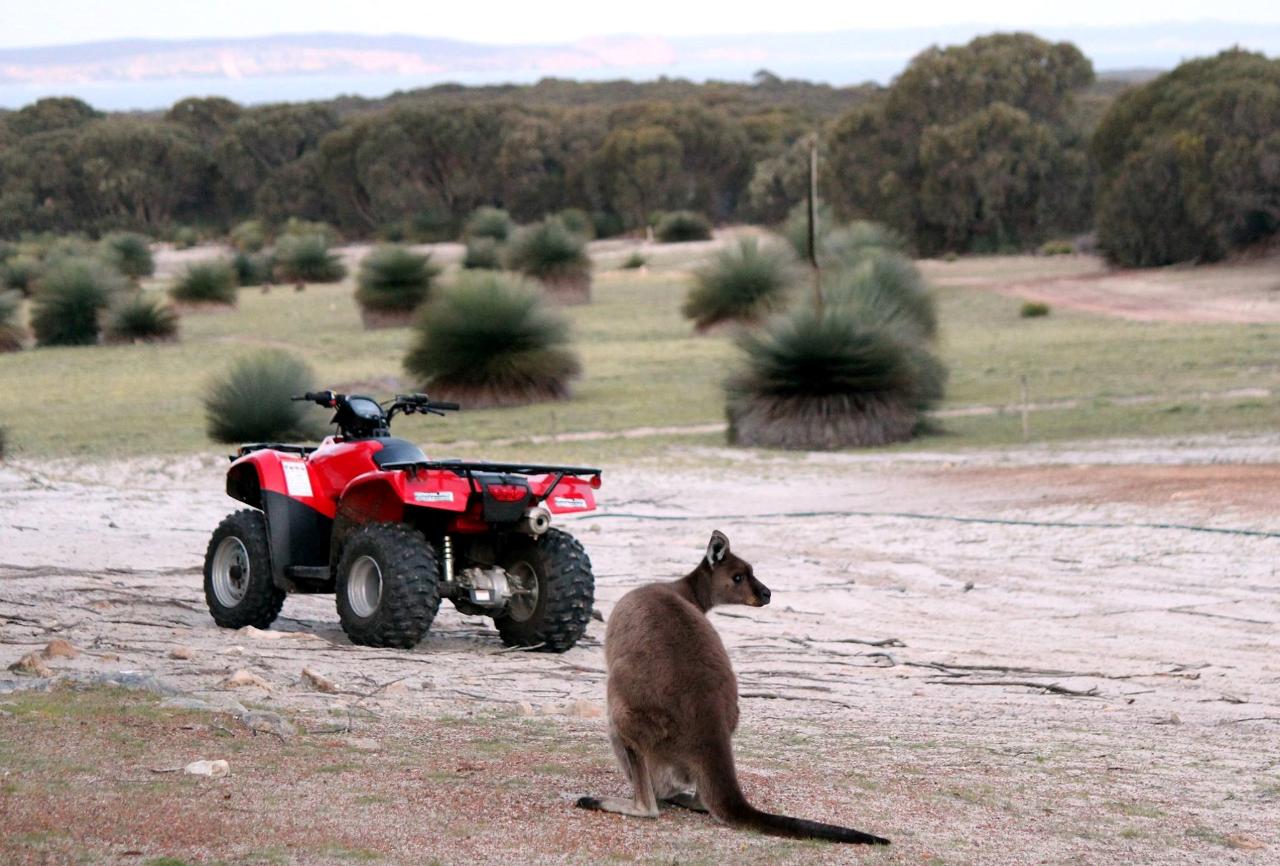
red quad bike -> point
(370, 518)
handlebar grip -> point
(437, 404)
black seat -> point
(397, 451)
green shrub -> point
(140, 319)
(73, 293)
(253, 270)
(250, 401)
(743, 283)
(853, 242)
(130, 253)
(605, 224)
(549, 252)
(887, 289)
(296, 228)
(10, 331)
(682, 226)
(577, 221)
(212, 281)
(1056, 248)
(20, 273)
(1034, 310)
(185, 237)
(635, 261)
(308, 259)
(433, 226)
(249, 236)
(7, 251)
(483, 254)
(489, 222)
(813, 380)
(395, 279)
(489, 342)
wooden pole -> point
(813, 222)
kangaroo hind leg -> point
(644, 804)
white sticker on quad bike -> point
(436, 496)
(570, 502)
(296, 480)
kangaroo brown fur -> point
(673, 700)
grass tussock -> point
(489, 222)
(11, 333)
(251, 400)
(129, 253)
(743, 284)
(555, 256)
(141, 319)
(70, 299)
(886, 289)
(306, 258)
(393, 278)
(682, 226)
(490, 342)
(212, 281)
(20, 272)
(1034, 310)
(482, 254)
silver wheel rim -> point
(364, 587)
(231, 558)
(523, 581)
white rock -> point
(213, 769)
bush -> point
(395, 279)
(635, 261)
(296, 228)
(10, 331)
(212, 281)
(20, 273)
(249, 236)
(682, 226)
(483, 254)
(743, 283)
(488, 342)
(140, 319)
(72, 294)
(839, 245)
(250, 401)
(489, 222)
(577, 221)
(826, 380)
(1034, 310)
(1056, 248)
(885, 289)
(56, 247)
(557, 257)
(308, 259)
(7, 251)
(253, 270)
(605, 224)
(185, 237)
(129, 253)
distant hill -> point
(149, 74)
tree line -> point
(988, 146)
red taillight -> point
(507, 492)
(595, 482)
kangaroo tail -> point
(718, 787)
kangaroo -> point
(673, 701)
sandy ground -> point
(1034, 656)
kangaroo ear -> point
(717, 548)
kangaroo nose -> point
(764, 594)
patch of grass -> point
(253, 269)
(482, 254)
(554, 255)
(129, 253)
(251, 400)
(395, 279)
(682, 226)
(745, 282)
(73, 293)
(141, 319)
(209, 282)
(489, 222)
(20, 272)
(633, 262)
(11, 332)
(1033, 310)
(249, 236)
(306, 258)
(1056, 248)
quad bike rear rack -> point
(467, 470)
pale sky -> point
(59, 22)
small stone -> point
(399, 687)
(319, 682)
(236, 650)
(243, 678)
(363, 744)
(183, 653)
(59, 649)
(258, 634)
(212, 769)
(1245, 842)
(584, 710)
(525, 708)
(263, 722)
(32, 665)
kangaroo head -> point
(730, 578)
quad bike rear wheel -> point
(552, 592)
(388, 586)
(237, 573)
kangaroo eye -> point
(737, 578)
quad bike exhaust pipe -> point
(535, 522)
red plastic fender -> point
(277, 472)
(571, 496)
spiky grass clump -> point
(885, 289)
(555, 256)
(827, 380)
(129, 253)
(1034, 310)
(839, 245)
(73, 293)
(297, 228)
(1056, 248)
(10, 331)
(20, 272)
(209, 282)
(250, 401)
(682, 226)
(185, 237)
(249, 236)
(490, 342)
(578, 221)
(307, 259)
(635, 261)
(393, 282)
(140, 319)
(483, 254)
(489, 222)
(743, 284)
(253, 270)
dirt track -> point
(1022, 657)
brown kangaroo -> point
(673, 701)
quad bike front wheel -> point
(552, 590)
(237, 573)
(388, 586)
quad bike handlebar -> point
(359, 415)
